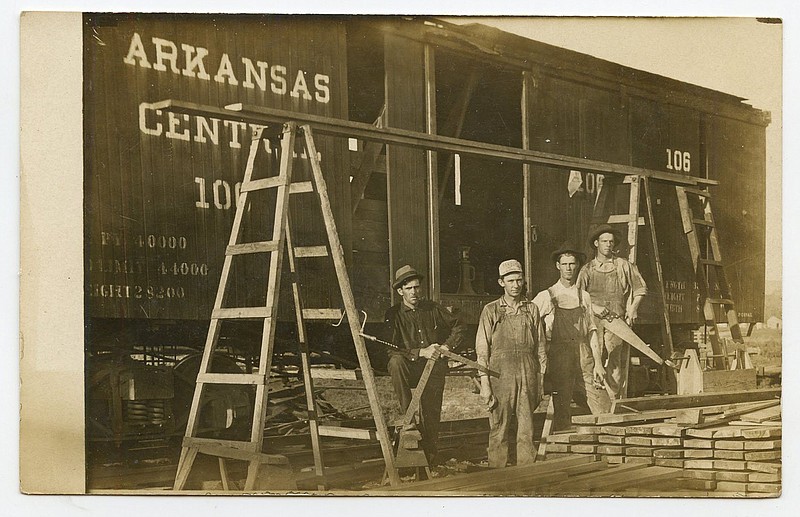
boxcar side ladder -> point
(701, 233)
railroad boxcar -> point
(161, 188)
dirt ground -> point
(459, 402)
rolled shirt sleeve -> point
(483, 339)
(541, 340)
(637, 283)
(587, 306)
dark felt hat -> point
(404, 274)
(600, 230)
(568, 247)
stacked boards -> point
(721, 449)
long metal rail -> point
(344, 128)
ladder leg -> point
(223, 473)
(350, 307)
(273, 289)
(188, 455)
(311, 406)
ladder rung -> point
(336, 373)
(322, 314)
(721, 301)
(264, 183)
(697, 192)
(703, 222)
(346, 432)
(300, 187)
(241, 313)
(624, 218)
(710, 262)
(234, 450)
(297, 187)
(252, 247)
(310, 251)
(232, 378)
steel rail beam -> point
(344, 128)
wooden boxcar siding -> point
(152, 251)
(737, 158)
(586, 121)
(406, 168)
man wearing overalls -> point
(617, 288)
(574, 357)
(511, 341)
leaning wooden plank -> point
(768, 424)
(694, 400)
(764, 415)
(735, 415)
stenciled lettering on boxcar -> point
(162, 187)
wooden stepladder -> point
(715, 291)
(280, 245)
(633, 219)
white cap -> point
(509, 266)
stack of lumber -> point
(570, 475)
(732, 447)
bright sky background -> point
(740, 56)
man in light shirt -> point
(575, 367)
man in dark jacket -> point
(418, 325)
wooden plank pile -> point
(730, 447)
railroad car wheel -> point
(226, 410)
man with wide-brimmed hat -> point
(511, 341)
(417, 326)
(574, 356)
(617, 288)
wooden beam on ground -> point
(694, 400)
(492, 475)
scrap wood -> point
(695, 400)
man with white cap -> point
(418, 326)
(575, 367)
(511, 340)
(617, 288)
